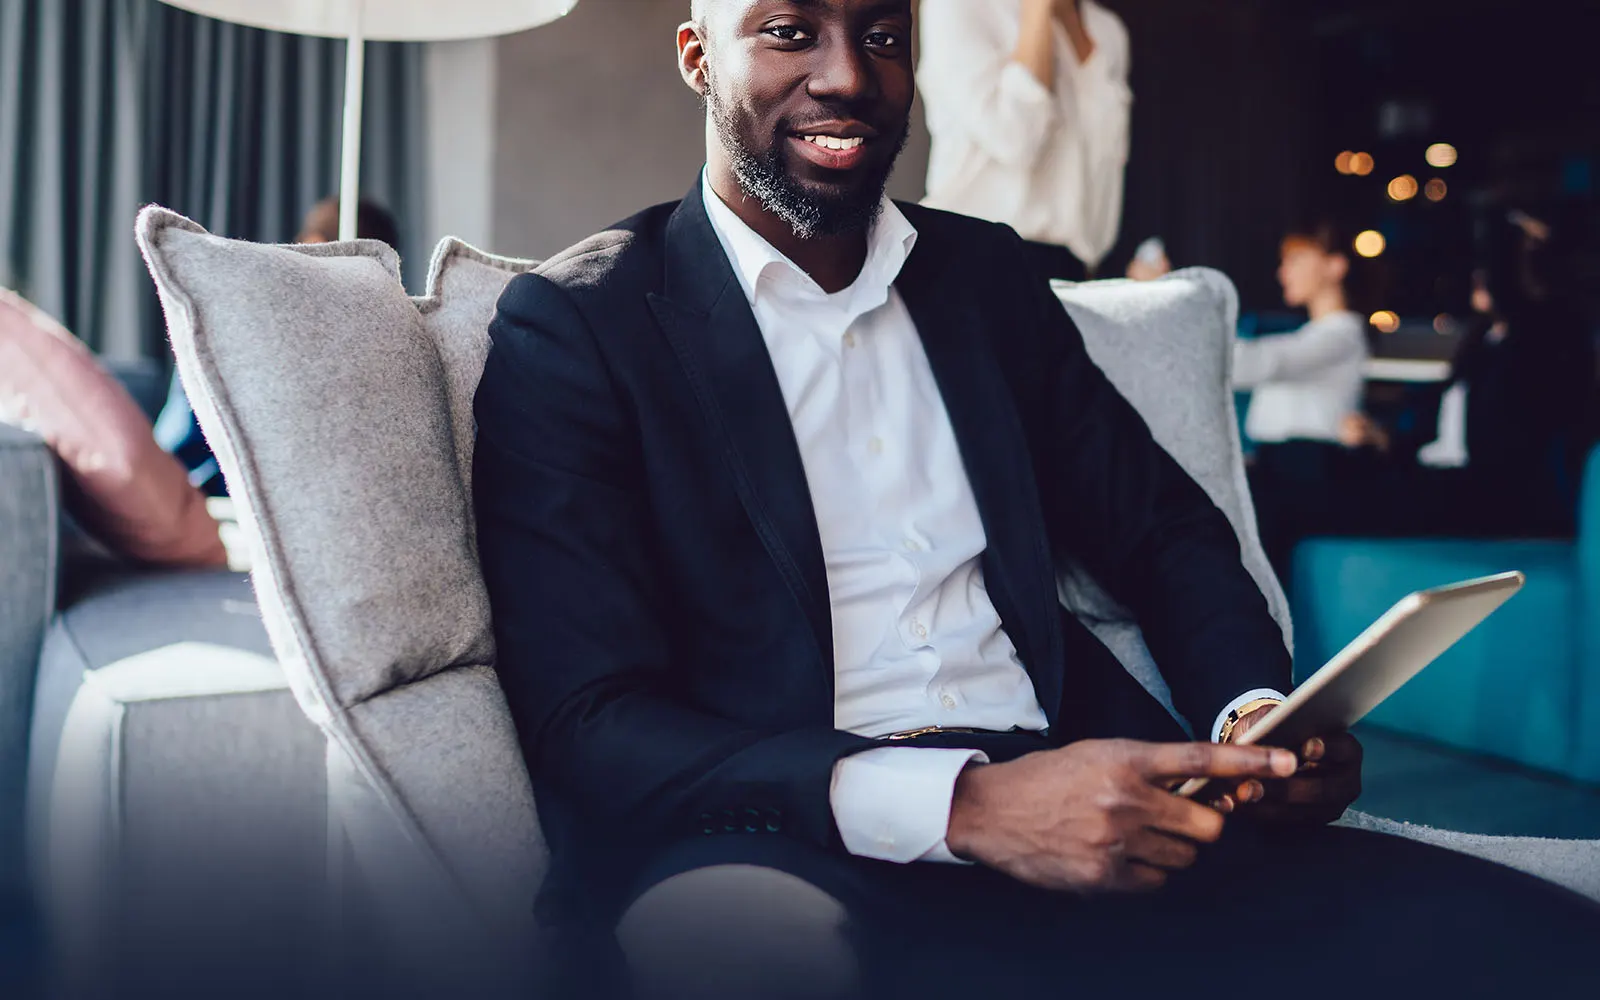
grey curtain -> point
(106, 105)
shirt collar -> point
(758, 264)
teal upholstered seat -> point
(1525, 685)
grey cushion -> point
(28, 534)
(341, 414)
(1167, 345)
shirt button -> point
(912, 545)
(948, 700)
(849, 339)
(920, 630)
(875, 446)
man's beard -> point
(808, 212)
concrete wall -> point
(593, 123)
(461, 82)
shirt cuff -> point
(1248, 696)
(893, 804)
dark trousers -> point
(1324, 912)
(1053, 262)
(1306, 488)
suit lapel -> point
(704, 314)
(1018, 568)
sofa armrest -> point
(29, 534)
(182, 836)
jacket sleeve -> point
(1115, 500)
(586, 664)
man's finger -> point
(1160, 850)
(1184, 818)
(1162, 761)
(1313, 789)
(1138, 877)
(1341, 749)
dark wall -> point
(1220, 138)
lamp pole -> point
(350, 151)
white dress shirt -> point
(1005, 147)
(1304, 383)
(916, 639)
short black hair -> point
(373, 222)
(1324, 234)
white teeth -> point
(832, 142)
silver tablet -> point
(1390, 652)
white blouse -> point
(1306, 382)
(1005, 148)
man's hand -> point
(1096, 816)
(1327, 782)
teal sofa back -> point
(1525, 685)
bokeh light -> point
(1343, 162)
(1370, 243)
(1385, 321)
(1436, 189)
(1362, 164)
(1403, 188)
(1441, 155)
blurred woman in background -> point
(1028, 105)
(1304, 385)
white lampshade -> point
(386, 20)
(361, 21)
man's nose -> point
(841, 73)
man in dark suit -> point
(772, 485)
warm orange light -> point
(1403, 188)
(1436, 189)
(1343, 161)
(1370, 243)
(1385, 321)
(1440, 155)
(1361, 164)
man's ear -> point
(692, 57)
(1338, 267)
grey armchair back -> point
(340, 411)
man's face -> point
(811, 101)
(1306, 271)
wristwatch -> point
(1228, 724)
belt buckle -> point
(911, 734)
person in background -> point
(1304, 384)
(177, 431)
(373, 222)
(1028, 105)
(1494, 449)
(1149, 261)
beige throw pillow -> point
(124, 489)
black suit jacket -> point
(657, 580)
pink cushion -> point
(132, 495)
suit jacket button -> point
(774, 820)
(729, 825)
(707, 824)
(752, 820)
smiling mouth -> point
(834, 142)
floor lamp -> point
(360, 21)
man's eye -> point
(789, 33)
(883, 40)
